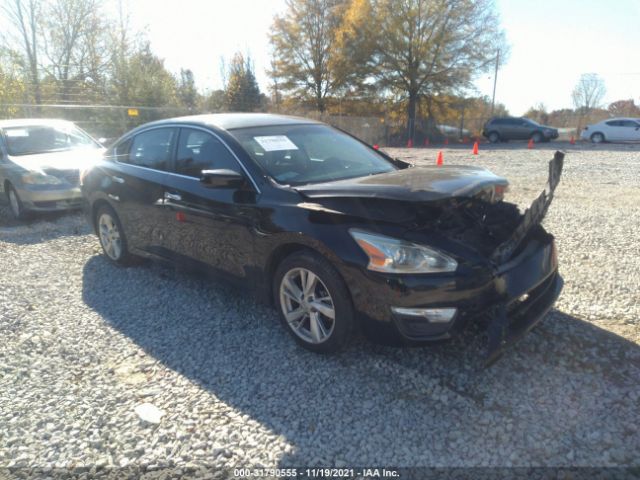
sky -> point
(551, 44)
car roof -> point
(29, 122)
(231, 121)
(620, 118)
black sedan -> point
(339, 236)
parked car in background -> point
(613, 130)
(40, 162)
(333, 232)
(502, 129)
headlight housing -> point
(37, 178)
(391, 255)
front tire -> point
(494, 137)
(313, 302)
(597, 138)
(537, 137)
(112, 238)
(15, 204)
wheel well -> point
(277, 256)
(94, 210)
(597, 133)
(493, 131)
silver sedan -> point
(40, 163)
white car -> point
(613, 130)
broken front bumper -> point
(510, 321)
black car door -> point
(211, 225)
(135, 184)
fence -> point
(111, 121)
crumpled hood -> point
(67, 160)
(417, 184)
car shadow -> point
(38, 227)
(564, 381)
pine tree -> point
(242, 93)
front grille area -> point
(70, 176)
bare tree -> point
(24, 17)
(70, 42)
(588, 93)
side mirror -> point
(222, 178)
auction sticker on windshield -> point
(16, 132)
(272, 143)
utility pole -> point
(495, 80)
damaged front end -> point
(521, 254)
(508, 270)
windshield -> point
(301, 154)
(33, 139)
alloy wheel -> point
(110, 236)
(14, 203)
(307, 305)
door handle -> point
(118, 179)
(172, 196)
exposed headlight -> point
(36, 178)
(391, 255)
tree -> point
(538, 113)
(187, 92)
(11, 85)
(73, 45)
(422, 47)
(150, 83)
(215, 101)
(624, 108)
(25, 17)
(303, 41)
(588, 93)
(242, 93)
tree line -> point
(410, 63)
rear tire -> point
(597, 138)
(112, 237)
(308, 291)
(494, 137)
(15, 204)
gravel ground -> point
(86, 344)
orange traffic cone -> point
(410, 143)
(572, 141)
(530, 144)
(440, 160)
(376, 146)
(475, 148)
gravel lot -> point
(85, 343)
